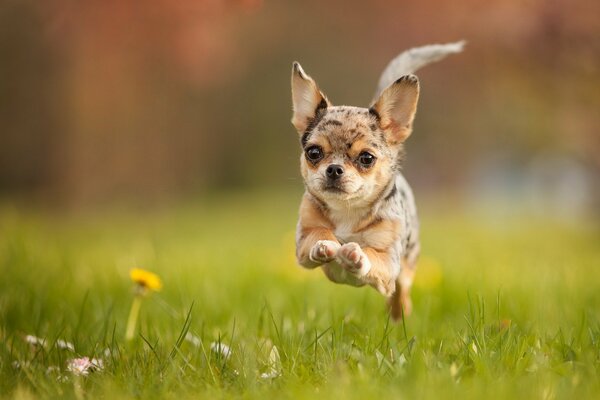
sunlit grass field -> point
(503, 308)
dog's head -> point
(350, 154)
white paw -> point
(323, 251)
(351, 257)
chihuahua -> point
(358, 218)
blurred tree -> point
(110, 99)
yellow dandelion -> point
(145, 279)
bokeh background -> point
(157, 134)
(145, 102)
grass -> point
(505, 308)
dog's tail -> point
(413, 59)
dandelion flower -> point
(145, 280)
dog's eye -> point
(366, 159)
(314, 153)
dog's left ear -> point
(307, 99)
(396, 108)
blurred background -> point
(146, 102)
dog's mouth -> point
(333, 187)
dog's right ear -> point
(308, 101)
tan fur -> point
(312, 227)
(326, 222)
(397, 106)
(306, 97)
(375, 237)
(400, 303)
(357, 217)
(380, 276)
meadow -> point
(503, 308)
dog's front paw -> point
(353, 259)
(324, 251)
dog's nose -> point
(334, 171)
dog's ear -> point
(396, 108)
(308, 101)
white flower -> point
(83, 366)
(79, 366)
(35, 341)
(221, 349)
(193, 339)
(64, 345)
(272, 374)
(98, 364)
(20, 365)
(274, 367)
(52, 369)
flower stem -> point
(133, 316)
(78, 388)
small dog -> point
(358, 218)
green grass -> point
(506, 308)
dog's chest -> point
(345, 225)
(344, 233)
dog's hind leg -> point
(400, 302)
